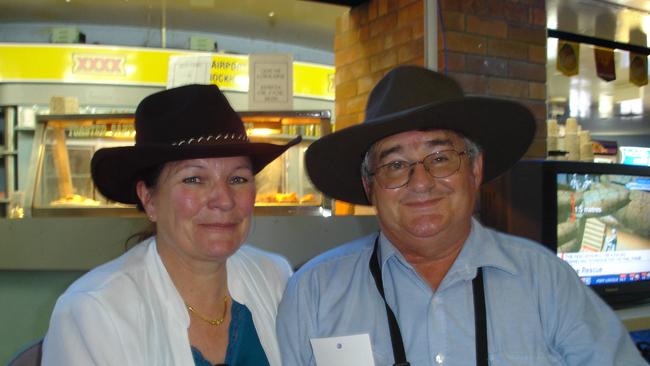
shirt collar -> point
(481, 249)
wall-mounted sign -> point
(94, 64)
(184, 70)
(84, 63)
(270, 82)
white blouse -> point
(128, 312)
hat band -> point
(228, 137)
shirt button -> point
(440, 359)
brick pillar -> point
(492, 47)
(498, 48)
(370, 40)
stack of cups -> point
(586, 148)
(552, 134)
(571, 140)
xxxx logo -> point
(98, 64)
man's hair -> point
(472, 148)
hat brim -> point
(116, 170)
(504, 130)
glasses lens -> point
(396, 174)
(442, 164)
(393, 175)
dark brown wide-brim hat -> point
(415, 98)
(187, 122)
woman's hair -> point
(150, 178)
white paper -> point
(352, 350)
(185, 70)
(270, 78)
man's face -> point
(426, 208)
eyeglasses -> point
(397, 174)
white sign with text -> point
(185, 70)
(270, 82)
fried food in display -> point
(75, 200)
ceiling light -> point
(605, 106)
(631, 107)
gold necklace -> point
(205, 318)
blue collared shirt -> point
(538, 311)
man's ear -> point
(145, 196)
(477, 169)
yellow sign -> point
(139, 66)
(98, 64)
(313, 80)
(230, 72)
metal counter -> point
(66, 243)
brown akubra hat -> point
(188, 122)
(415, 98)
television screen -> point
(603, 228)
(596, 217)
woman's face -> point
(202, 207)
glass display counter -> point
(61, 183)
(59, 178)
(283, 186)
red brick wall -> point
(370, 40)
(498, 48)
(492, 47)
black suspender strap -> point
(480, 319)
(399, 354)
(395, 335)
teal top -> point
(244, 347)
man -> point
(435, 287)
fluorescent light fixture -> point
(579, 103)
(605, 106)
(631, 107)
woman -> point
(191, 294)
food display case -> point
(283, 186)
(60, 182)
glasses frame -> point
(411, 167)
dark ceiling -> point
(350, 3)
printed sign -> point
(184, 70)
(96, 64)
(270, 82)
